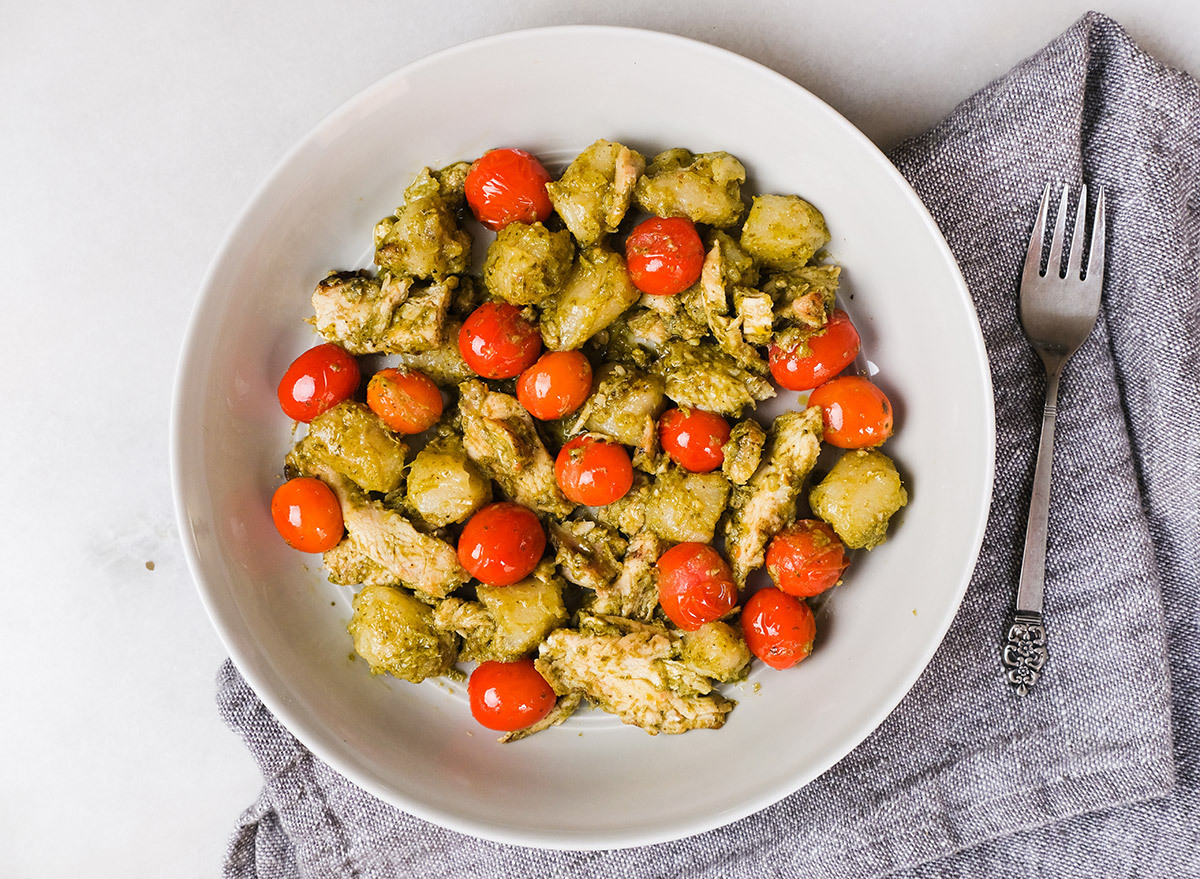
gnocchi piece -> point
(593, 194)
(705, 188)
(859, 497)
(527, 263)
(597, 291)
(394, 632)
(783, 231)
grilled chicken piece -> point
(743, 451)
(391, 543)
(499, 436)
(387, 314)
(634, 592)
(767, 503)
(630, 670)
(588, 553)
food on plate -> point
(859, 496)
(560, 471)
(407, 401)
(695, 585)
(694, 439)
(818, 356)
(779, 628)
(806, 558)
(664, 255)
(307, 514)
(509, 696)
(499, 341)
(507, 186)
(318, 380)
(856, 413)
(556, 385)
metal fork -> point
(1058, 312)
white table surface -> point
(131, 134)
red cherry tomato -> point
(498, 342)
(779, 628)
(831, 350)
(307, 514)
(318, 380)
(806, 558)
(507, 696)
(593, 471)
(695, 585)
(664, 255)
(507, 186)
(556, 385)
(407, 401)
(501, 544)
(693, 438)
(857, 414)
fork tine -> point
(1076, 257)
(1095, 266)
(1033, 256)
(1056, 245)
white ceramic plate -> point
(591, 783)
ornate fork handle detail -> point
(1025, 653)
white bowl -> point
(591, 783)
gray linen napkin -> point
(1081, 777)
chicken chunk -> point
(500, 437)
(633, 593)
(767, 503)
(387, 314)
(743, 451)
(706, 188)
(702, 376)
(633, 674)
(588, 553)
(804, 297)
(593, 194)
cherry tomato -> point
(593, 471)
(498, 342)
(779, 628)
(508, 186)
(307, 514)
(501, 544)
(857, 414)
(407, 401)
(806, 558)
(556, 385)
(693, 438)
(507, 696)
(695, 585)
(664, 255)
(831, 350)
(317, 380)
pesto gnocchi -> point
(747, 285)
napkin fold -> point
(1096, 771)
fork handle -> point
(1025, 653)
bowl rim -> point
(309, 733)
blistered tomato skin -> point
(593, 471)
(695, 585)
(831, 350)
(693, 438)
(508, 186)
(556, 385)
(779, 628)
(318, 380)
(856, 413)
(806, 558)
(507, 696)
(665, 255)
(307, 514)
(407, 401)
(501, 544)
(496, 341)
